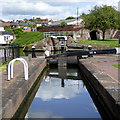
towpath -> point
(14, 91)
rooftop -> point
(69, 22)
(5, 33)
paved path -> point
(19, 71)
(15, 90)
(108, 75)
(105, 64)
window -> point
(25, 28)
(6, 38)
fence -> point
(8, 53)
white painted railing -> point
(10, 68)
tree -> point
(43, 25)
(31, 20)
(25, 19)
(70, 17)
(32, 26)
(16, 31)
(38, 18)
(7, 28)
(62, 24)
(101, 17)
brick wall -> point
(59, 28)
(5, 24)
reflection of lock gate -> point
(10, 68)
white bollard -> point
(47, 53)
(10, 68)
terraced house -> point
(5, 36)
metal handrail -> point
(10, 68)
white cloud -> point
(19, 9)
(26, 8)
(1, 8)
(70, 1)
(53, 89)
(108, 2)
(41, 114)
(34, 9)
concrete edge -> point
(92, 77)
(13, 104)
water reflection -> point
(53, 90)
(62, 98)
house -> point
(26, 27)
(42, 21)
(4, 23)
(5, 37)
(17, 25)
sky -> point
(51, 9)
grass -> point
(27, 38)
(116, 65)
(3, 66)
(106, 42)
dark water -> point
(62, 96)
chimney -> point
(33, 19)
(47, 20)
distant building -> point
(5, 37)
(42, 21)
(17, 25)
(26, 26)
(69, 22)
(3, 23)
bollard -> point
(33, 52)
(90, 51)
(62, 47)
